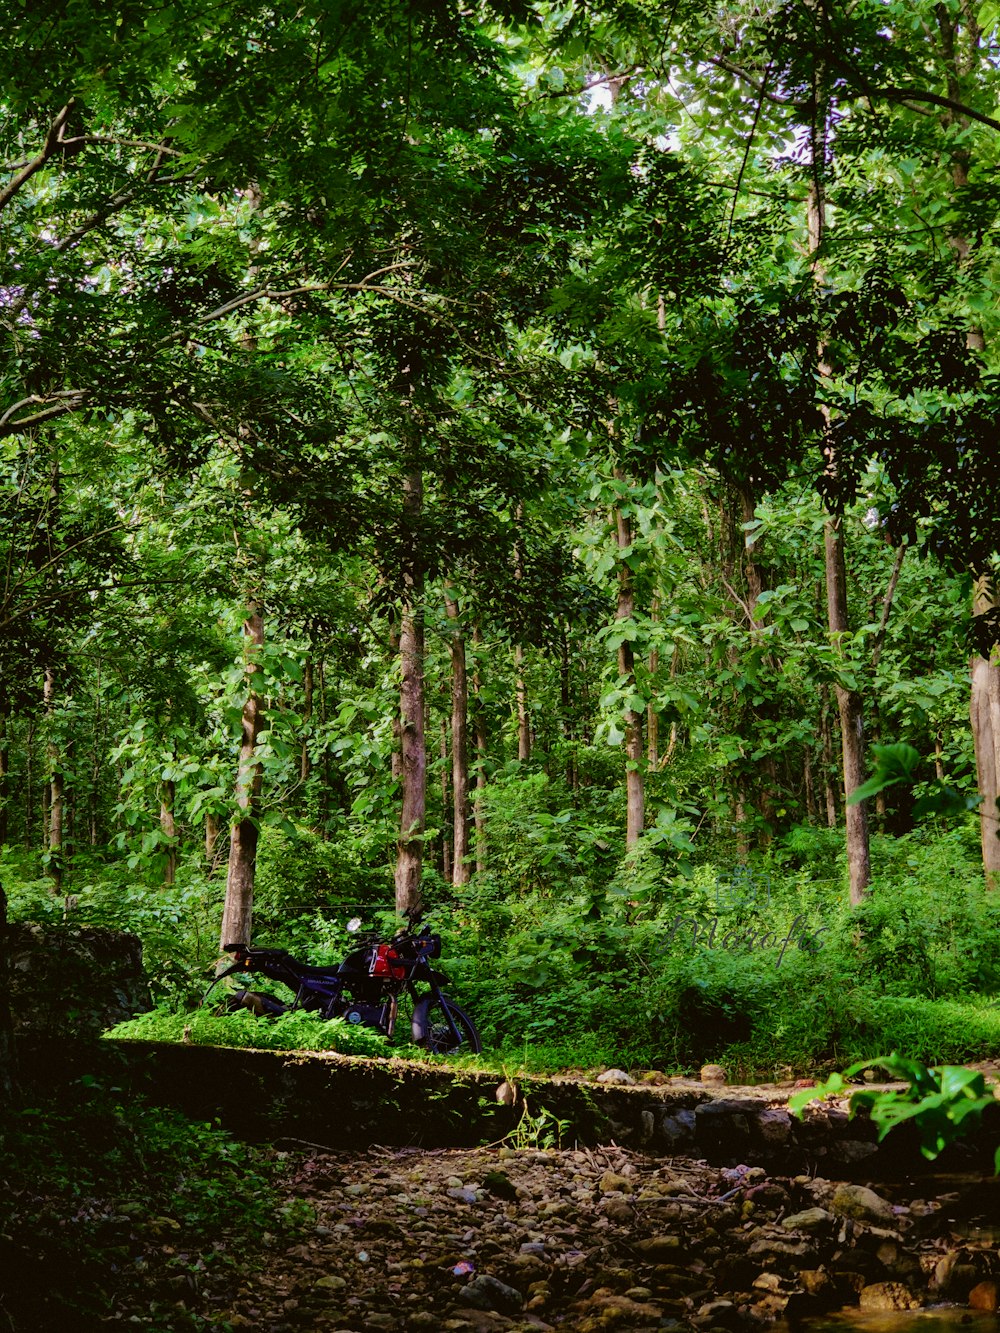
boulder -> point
(73, 981)
(888, 1296)
(862, 1205)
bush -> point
(109, 1208)
(295, 1031)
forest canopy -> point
(507, 461)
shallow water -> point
(934, 1319)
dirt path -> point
(471, 1241)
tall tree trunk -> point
(244, 833)
(413, 747)
(56, 787)
(634, 784)
(851, 712)
(29, 787)
(479, 728)
(96, 765)
(396, 761)
(212, 831)
(4, 770)
(459, 747)
(7, 1063)
(984, 712)
(849, 702)
(324, 798)
(521, 688)
(523, 715)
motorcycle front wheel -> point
(432, 1030)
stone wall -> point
(351, 1103)
(72, 981)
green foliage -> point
(177, 925)
(539, 1130)
(897, 766)
(108, 1204)
(944, 1104)
(294, 1031)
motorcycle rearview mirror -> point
(354, 925)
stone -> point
(659, 1249)
(773, 1247)
(616, 1076)
(489, 1293)
(888, 1296)
(985, 1296)
(678, 1130)
(722, 1124)
(814, 1281)
(712, 1074)
(612, 1182)
(812, 1219)
(861, 1205)
(772, 1125)
(851, 1151)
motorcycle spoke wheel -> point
(434, 1033)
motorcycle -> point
(364, 989)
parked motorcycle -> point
(365, 988)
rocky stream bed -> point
(603, 1238)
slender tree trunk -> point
(29, 787)
(479, 728)
(413, 747)
(523, 716)
(634, 784)
(212, 831)
(459, 747)
(56, 787)
(826, 735)
(984, 712)
(324, 798)
(7, 1063)
(396, 761)
(851, 712)
(4, 770)
(244, 833)
(849, 701)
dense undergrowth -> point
(569, 960)
(119, 1213)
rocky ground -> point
(599, 1239)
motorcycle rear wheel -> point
(432, 1030)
